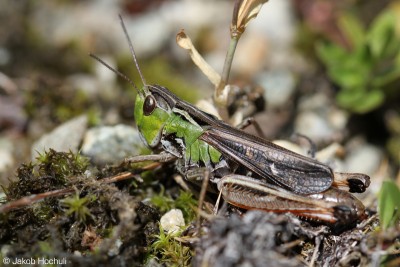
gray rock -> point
(6, 155)
(320, 120)
(64, 138)
(279, 86)
(314, 126)
(364, 158)
(111, 144)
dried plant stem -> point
(203, 192)
(185, 42)
(318, 241)
(29, 200)
(228, 64)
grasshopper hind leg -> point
(333, 206)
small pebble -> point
(172, 221)
(114, 250)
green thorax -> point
(196, 150)
(161, 123)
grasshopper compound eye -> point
(149, 105)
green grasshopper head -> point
(152, 111)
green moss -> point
(62, 163)
(94, 118)
(45, 247)
(77, 206)
(168, 250)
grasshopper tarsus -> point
(357, 186)
(352, 182)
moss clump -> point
(52, 171)
(64, 164)
(49, 173)
(168, 250)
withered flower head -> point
(244, 11)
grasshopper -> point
(248, 171)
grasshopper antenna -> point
(133, 52)
(115, 71)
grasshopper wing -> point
(296, 173)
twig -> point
(227, 65)
(318, 240)
(29, 200)
(202, 196)
(25, 201)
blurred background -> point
(329, 70)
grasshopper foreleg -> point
(313, 147)
(162, 157)
(251, 121)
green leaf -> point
(382, 34)
(349, 70)
(389, 204)
(352, 28)
(346, 77)
(360, 101)
(385, 78)
(330, 54)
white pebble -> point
(172, 221)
